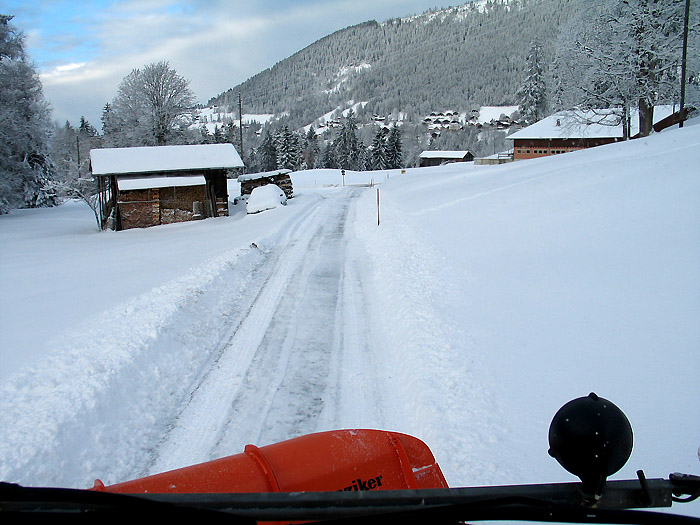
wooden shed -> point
(280, 178)
(437, 158)
(148, 186)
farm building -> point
(148, 186)
(569, 131)
(280, 178)
(437, 158)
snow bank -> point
(509, 290)
(114, 383)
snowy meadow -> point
(490, 296)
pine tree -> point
(347, 145)
(378, 160)
(86, 129)
(532, 95)
(288, 152)
(219, 137)
(267, 152)
(394, 155)
(232, 135)
(329, 159)
(204, 136)
(311, 149)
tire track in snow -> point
(284, 370)
(197, 428)
(293, 387)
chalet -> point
(570, 131)
(148, 186)
(437, 158)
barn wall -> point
(533, 148)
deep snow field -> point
(491, 296)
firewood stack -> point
(279, 178)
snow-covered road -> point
(291, 354)
(488, 297)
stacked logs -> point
(280, 178)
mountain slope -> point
(456, 58)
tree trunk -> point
(646, 117)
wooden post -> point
(377, 206)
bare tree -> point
(150, 107)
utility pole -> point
(240, 122)
(77, 147)
(683, 62)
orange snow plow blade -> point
(327, 461)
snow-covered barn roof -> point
(262, 175)
(584, 124)
(159, 159)
(444, 154)
(142, 183)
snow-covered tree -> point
(232, 135)
(623, 54)
(311, 149)
(532, 95)
(25, 127)
(378, 150)
(70, 154)
(152, 105)
(288, 150)
(394, 154)
(347, 145)
(267, 152)
(328, 159)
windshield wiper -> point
(562, 502)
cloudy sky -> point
(84, 49)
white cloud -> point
(215, 44)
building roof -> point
(262, 175)
(444, 154)
(161, 159)
(143, 183)
(585, 124)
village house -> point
(437, 158)
(570, 131)
(148, 186)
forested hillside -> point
(457, 59)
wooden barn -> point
(148, 186)
(437, 158)
(570, 131)
(280, 178)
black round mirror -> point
(591, 438)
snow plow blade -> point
(341, 460)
